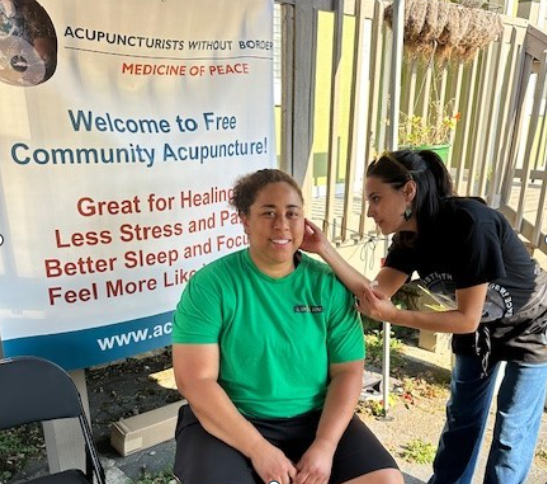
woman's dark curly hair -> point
(247, 187)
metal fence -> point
(497, 150)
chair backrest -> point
(36, 390)
(33, 390)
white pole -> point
(398, 24)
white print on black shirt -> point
(498, 304)
(503, 300)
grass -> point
(17, 447)
(416, 383)
(163, 477)
(374, 342)
(375, 407)
(541, 452)
(419, 388)
(419, 451)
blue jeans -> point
(521, 399)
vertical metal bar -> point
(467, 126)
(540, 88)
(493, 120)
(287, 85)
(383, 133)
(457, 88)
(332, 167)
(358, 104)
(373, 100)
(541, 143)
(393, 141)
(477, 159)
(396, 72)
(405, 79)
(412, 88)
(443, 85)
(505, 125)
(540, 215)
(513, 132)
(305, 33)
(426, 92)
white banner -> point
(123, 126)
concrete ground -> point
(120, 391)
(421, 419)
(424, 420)
(418, 422)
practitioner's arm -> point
(388, 280)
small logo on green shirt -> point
(308, 309)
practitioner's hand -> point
(271, 464)
(314, 240)
(316, 464)
(376, 305)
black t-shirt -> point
(471, 244)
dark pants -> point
(204, 459)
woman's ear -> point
(245, 222)
(409, 191)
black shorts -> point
(203, 459)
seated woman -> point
(268, 350)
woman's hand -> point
(271, 464)
(316, 464)
(314, 240)
(376, 305)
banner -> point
(122, 129)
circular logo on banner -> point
(28, 43)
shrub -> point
(419, 451)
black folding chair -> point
(36, 390)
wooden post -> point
(533, 10)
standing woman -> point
(268, 350)
(468, 254)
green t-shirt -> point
(277, 337)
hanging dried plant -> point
(414, 19)
(445, 29)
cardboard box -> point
(145, 430)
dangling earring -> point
(407, 214)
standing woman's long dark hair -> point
(433, 182)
